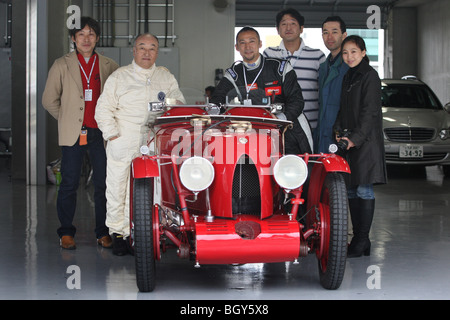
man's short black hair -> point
(86, 21)
(336, 19)
(294, 13)
(247, 28)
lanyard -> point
(247, 88)
(88, 80)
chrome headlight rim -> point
(201, 166)
(281, 172)
(144, 150)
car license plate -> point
(411, 152)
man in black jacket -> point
(257, 79)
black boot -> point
(360, 243)
(353, 205)
(119, 245)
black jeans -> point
(71, 163)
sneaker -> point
(119, 245)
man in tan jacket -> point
(75, 81)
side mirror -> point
(447, 107)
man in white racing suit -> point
(122, 115)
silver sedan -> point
(416, 126)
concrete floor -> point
(410, 253)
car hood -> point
(413, 117)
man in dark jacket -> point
(257, 79)
(331, 73)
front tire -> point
(332, 252)
(143, 234)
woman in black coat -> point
(360, 114)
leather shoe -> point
(105, 241)
(67, 242)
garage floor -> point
(410, 253)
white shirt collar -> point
(141, 70)
(302, 45)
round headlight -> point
(290, 172)
(196, 174)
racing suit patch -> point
(273, 91)
(232, 73)
(282, 65)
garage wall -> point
(205, 38)
(433, 28)
(401, 43)
(203, 30)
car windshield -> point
(409, 96)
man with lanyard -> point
(331, 74)
(74, 84)
(258, 74)
(123, 116)
(304, 60)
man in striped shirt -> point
(304, 60)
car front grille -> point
(409, 134)
(246, 189)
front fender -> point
(144, 167)
(322, 166)
(334, 163)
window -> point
(408, 96)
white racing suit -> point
(122, 111)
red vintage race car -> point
(219, 188)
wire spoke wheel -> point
(332, 247)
